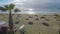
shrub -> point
(58, 23)
(57, 15)
(26, 19)
(59, 31)
(30, 23)
(36, 15)
(39, 32)
(43, 17)
(16, 22)
(58, 19)
(30, 16)
(45, 24)
(37, 18)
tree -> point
(9, 8)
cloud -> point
(36, 4)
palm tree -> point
(9, 8)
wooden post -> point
(21, 29)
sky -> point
(33, 4)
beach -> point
(30, 16)
(34, 23)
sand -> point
(37, 26)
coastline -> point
(43, 13)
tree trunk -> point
(11, 23)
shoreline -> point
(43, 13)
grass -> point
(57, 15)
(37, 27)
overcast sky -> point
(34, 4)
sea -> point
(43, 11)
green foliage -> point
(45, 24)
(26, 19)
(16, 10)
(30, 23)
(3, 8)
(36, 15)
(11, 6)
(42, 17)
(7, 7)
(57, 15)
(30, 16)
(37, 19)
(17, 22)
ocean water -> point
(41, 11)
